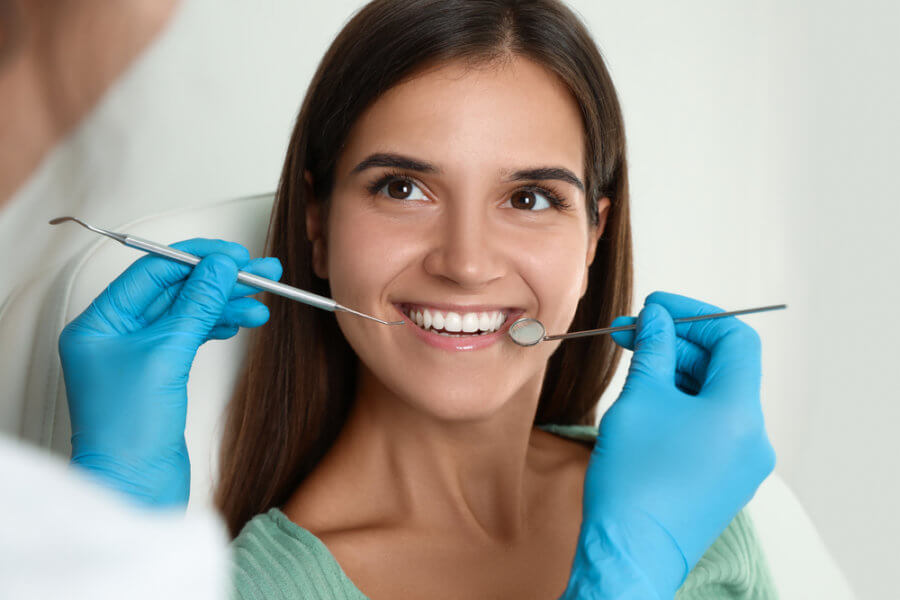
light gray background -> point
(762, 138)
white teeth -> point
(470, 322)
(453, 322)
(456, 324)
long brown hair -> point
(299, 379)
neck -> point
(466, 477)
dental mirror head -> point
(526, 331)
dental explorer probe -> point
(528, 332)
(250, 279)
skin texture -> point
(438, 475)
(57, 58)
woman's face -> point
(456, 230)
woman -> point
(455, 164)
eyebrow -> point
(399, 161)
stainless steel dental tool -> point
(246, 278)
(528, 332)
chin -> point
(463, 403)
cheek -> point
(362, 258)
(555, 274)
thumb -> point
(654, 345)
(623, 338)
(204, 295)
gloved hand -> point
(126, 360)
(679, 453)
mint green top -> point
(276, 558)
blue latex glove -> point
(679, 453)
(126, 360)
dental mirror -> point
(528, 332)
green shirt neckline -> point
(275, 557)
(306, 537)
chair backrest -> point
(33, 402)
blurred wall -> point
(762, 142)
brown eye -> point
(527, 199)
(399, 189)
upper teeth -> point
(451, 321)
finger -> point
(268, 267)
(244, 312)
(734, 347)
(703, 333)
(691, 359)
(686, 383)
(124, 301)
(735, 364)
(654, 346)
(223, 332)
(202, 299)
(683, 305)
(624, 338)
(163, 302)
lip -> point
(457, 344)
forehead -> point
(488, 118)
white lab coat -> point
(62, 536)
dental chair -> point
(33, 399)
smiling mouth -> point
(455, 323)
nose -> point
(466, 250)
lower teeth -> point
(456, 334)
(430, 330)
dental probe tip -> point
(59, 220)
(350, 310)
(110, 234)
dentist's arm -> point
(679, 453)
(126, 360)
(64, 537)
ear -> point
(593, 238)
(315, 229)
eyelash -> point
(554, 197)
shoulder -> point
(567, 441)
(273, 557)
(562, 451)
(581, 433)
(734, 566)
